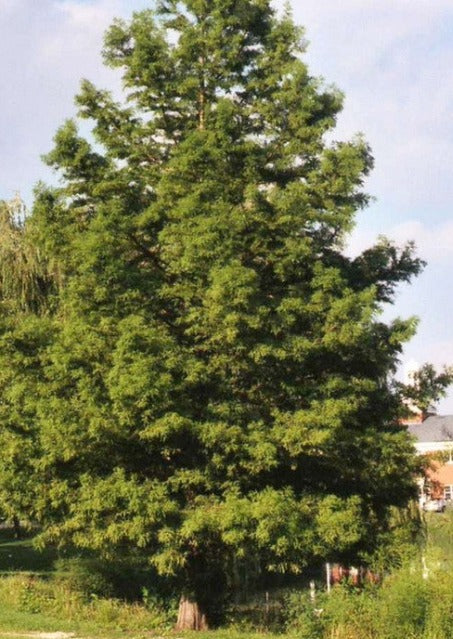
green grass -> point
(228, 633)
(19, 621)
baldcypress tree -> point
(218, 388)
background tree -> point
(217, 389)
(27, 283)
(425, 388)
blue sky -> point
(392, 59)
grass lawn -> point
(20, 621)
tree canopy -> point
(209, 379)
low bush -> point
(405, 606)
(85, 576)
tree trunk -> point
(190, 616)
(17, 528)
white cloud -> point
(434, 243)
(7, 5)
(45, 49)
(393, 59)
(91, 15)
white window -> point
(448, 492)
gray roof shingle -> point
(435, 428)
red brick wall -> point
(440, 475)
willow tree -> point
(27, 283)
(218, 389)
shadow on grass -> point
(19, 555)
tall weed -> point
(58, 600)
(406, 606)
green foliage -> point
(85, 576)
(27, 277)
(40, 604)
(427, 387)
(302, 616)
(210, 384)
(401, 607)
(405, 604)
(401, 541)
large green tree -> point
(217, 386)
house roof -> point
(435, 428)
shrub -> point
(302, 616)
(57, 599)
(403, 605)
(88, 577)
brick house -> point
(434, 437)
